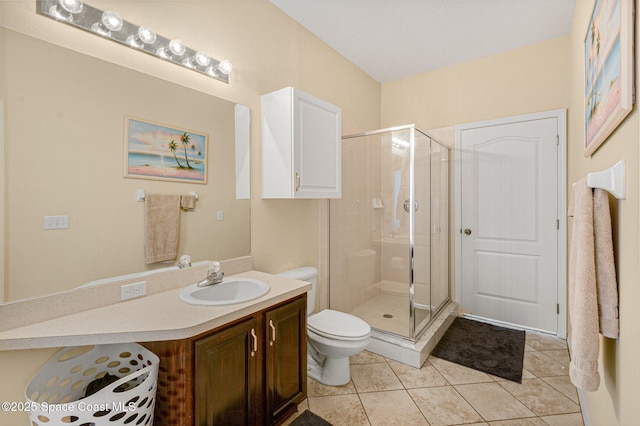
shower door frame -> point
(412, 332)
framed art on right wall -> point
(608, 55)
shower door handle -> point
(407, 205)
(467, 231)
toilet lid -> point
(338, 324)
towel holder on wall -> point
(140, 194)
(612, 180)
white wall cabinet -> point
(301, 138)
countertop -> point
(155, 317)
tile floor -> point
(385, 392)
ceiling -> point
(393, 39)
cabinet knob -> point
(297, 181)
(273, 333)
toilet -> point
(333, 336)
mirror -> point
(64, 119)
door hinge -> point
(558, 224)
(558, 140)
(558, 308)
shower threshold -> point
(414, 353)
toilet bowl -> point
(333, 336)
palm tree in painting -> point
(186, 139)
(173, 146)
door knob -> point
(467, 231)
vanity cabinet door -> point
(226, 376)
(286, 359)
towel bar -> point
(612, 180)
(140, 194)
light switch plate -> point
(56, 222)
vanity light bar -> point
(109, 25)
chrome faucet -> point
(214, 276)
(184, 262)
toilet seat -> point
(338, 325)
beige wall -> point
(269, 51)
(520, 81)
(548, 76)
(616, 400)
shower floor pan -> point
(395, 347)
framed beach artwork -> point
(609, 91)
(159, 152)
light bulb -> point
(71, 6)
(65, 9)
(175, 47)
(201, 58)
(145, 35)
(109, 21)
(223, 67)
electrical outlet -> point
(220, 214)
(56, 222)
(129, 291)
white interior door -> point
(509, 221)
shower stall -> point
(389, 233)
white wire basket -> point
(56, 395)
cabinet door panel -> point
(286, 363)
(317, 144)
(226, 382)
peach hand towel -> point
(583, 298)
(161, 227)
(605, 266)
(188, 202)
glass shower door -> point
(388, 233)
(395, 238)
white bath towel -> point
(583, 299)
(605, 266)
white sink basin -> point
(228, 292)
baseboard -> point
(583, 408)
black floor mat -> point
(484, 347)
(307, 418)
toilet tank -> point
(309, 274)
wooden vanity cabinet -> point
(250, 372)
